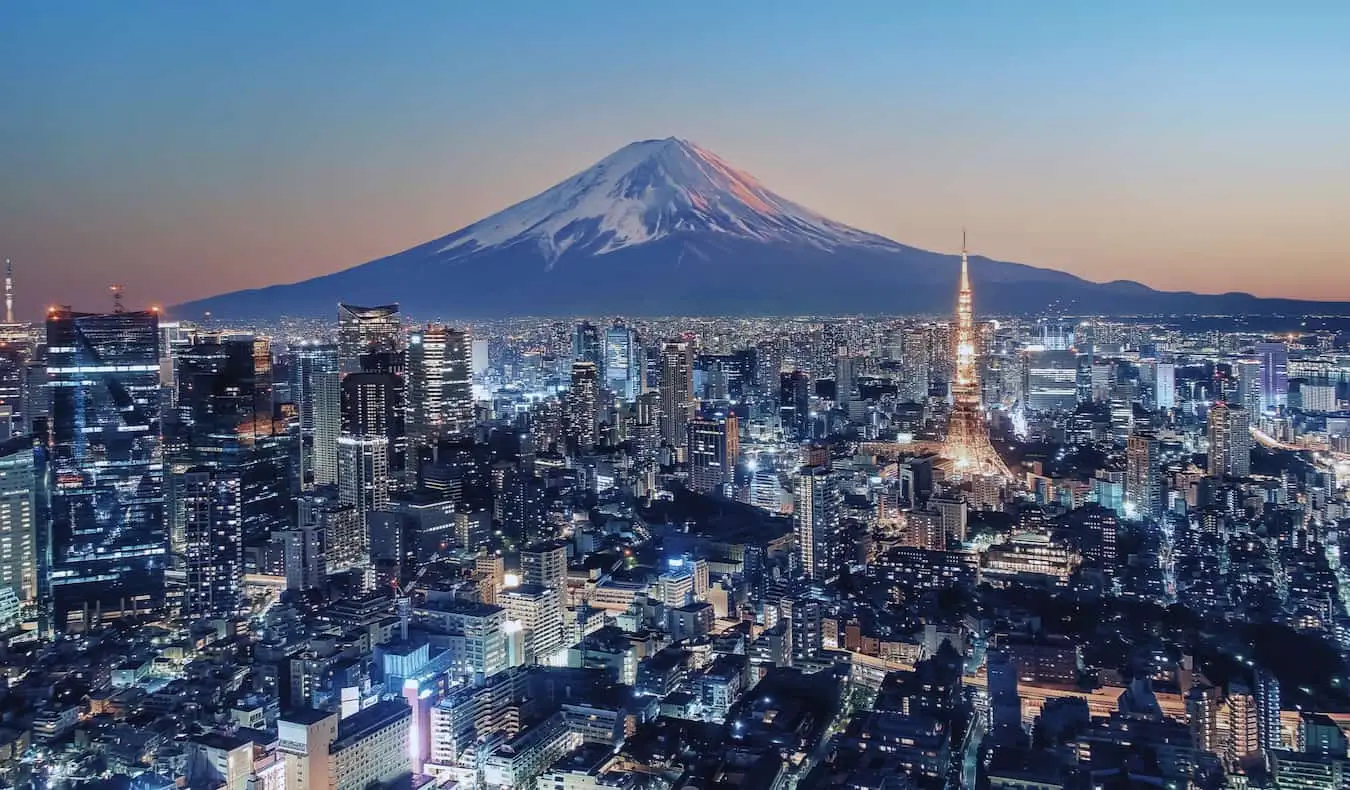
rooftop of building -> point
(305, 716)
(378, 716)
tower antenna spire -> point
(965, 267)
(9, 291)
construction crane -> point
(403, 595)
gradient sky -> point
(188, 148)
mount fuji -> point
(664, 227)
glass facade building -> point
(108, 537)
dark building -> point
(373, 404)
(794, 405)
(362, 330)
(108, 528)
(588, 345)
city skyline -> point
(1107, 145)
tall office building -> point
(218, 406)
(426, 382)
(623, 366)
(13, 373)
(845, 380)
(1052, 380)
(816, 513)
(677, 392)
(20, 565)
(372, 406)
(714, 446)
(1230, 441)
(440, 383)
(1249, 376)
(794, 405)
(210, 501)
(1165, 385)
(108, 532)
(1143, 476)
(588, 345)
(1274, 359)
(362, 330)
(363, 475)
(316, 387)
(582, 414)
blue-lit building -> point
(108, 536)
(623, 363)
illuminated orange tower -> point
(967, 446)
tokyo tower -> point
(967, 446)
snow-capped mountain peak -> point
(646, 191)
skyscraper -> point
(440, 383)
(967, 444)
(1274, 374)
(362, 330)
(1230, 441)
(816, 513)
(224, 425)
(1143, 476)
(1165, 385)
(677, 392)
(372, 405)
(363, 484)
(108, 527)
(19, 482)
(714, 446)
(623, 366)
(1249, 375)
(317, 391)
(426, 383)
(794, 405)
(587, 345)
(211, 504)
(581, 412)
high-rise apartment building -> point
(581, 413)
(1143, 476)
(210, 502)
(362, 330)
(677, 392)
(108, 533)
(1230, 441)
(363, 480)
(816, 516)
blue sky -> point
(190, 148)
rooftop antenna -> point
(116, 289)
(9, 291)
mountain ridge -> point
(665, 227)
